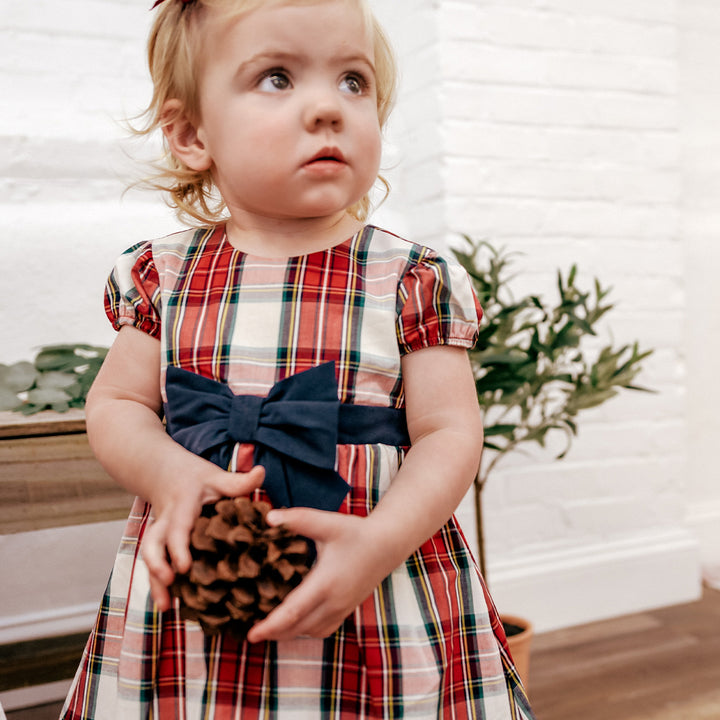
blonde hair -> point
(174, 50)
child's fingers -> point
(315, 524)
(166, 544)
(316, 608)
(294, 616)
(154, 552)
(232, 484)
(314, 624)
(291, 619)
(178, 546)
(160, 572)
(160, 594)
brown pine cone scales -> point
(242, 567)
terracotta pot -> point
(519, 633)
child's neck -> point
(283, 238)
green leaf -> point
(500, 430)
(56, 379)
(56, 358)
(47, 396)
(494, 382)
(64, 358)
(20, 376)
(506, 358)
(592, 400)
(9, 400)
(584, 324)
(492, 446)
(571, 275)
(639, 388)
(30, 409)
(536, 345)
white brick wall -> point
(572, 130)
(700, 119)
(562, 137)
(70, 72)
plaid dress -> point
(428, 642)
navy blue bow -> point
(294, 430)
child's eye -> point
(354, 84)
(274, 81)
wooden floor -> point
(658, 665)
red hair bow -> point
(158, 2)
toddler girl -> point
(272, 114)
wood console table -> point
(49, 476)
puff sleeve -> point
(132, 292)
(436, 305)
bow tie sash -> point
(295, 430)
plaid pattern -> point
(428, 643)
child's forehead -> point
(276, 27)
(237, 8)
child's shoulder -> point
(389, 246)
(179, 242)
(161, 249)
(384, 241)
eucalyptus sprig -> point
(58, 379)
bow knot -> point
(294, 430)
(244, 418)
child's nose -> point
(323, 108)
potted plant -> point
(535, 372)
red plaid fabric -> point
(428, 643)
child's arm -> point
(355, 554)
(126, 433)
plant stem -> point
(478, 486)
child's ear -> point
(183, 138)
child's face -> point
(289, 122)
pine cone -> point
(242, 567)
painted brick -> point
(593, 72)
(626, 185)
(473, 62)
(641, 11)
(79, 18)
(649, 149)
(522, 526)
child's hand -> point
(166, 542)
(351, 562)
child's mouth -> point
(326, 164)
(327, 155)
